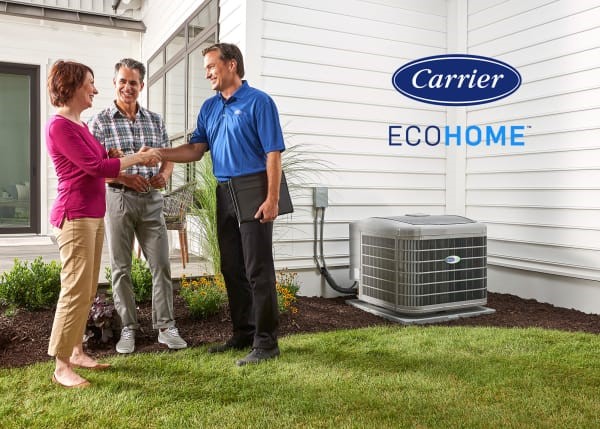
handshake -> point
(145, 156)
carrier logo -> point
(456, 80)
(452, 259)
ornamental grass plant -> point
(205, 209)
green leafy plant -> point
(204, 296)
(208, 295)
(34, 285)
(101, 318)
(287, 291)
(141, 279)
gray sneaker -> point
(127, 342)
(171, 338)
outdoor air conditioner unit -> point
(419, 264)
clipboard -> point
(250, 191)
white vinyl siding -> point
(541, 202)
(329, 66)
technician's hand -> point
(268, 211)
(151, 156)
(159, 181)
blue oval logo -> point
(456, 80)
(452, 259)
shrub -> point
(34, 285)
(101, 318)
(141, 279)
(287, 290)
(204, 296)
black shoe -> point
(259, 355)
(229, 345)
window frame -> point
(182, 56)
(33, 71)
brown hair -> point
(228, 52)
(64, 79)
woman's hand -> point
(149, 156)
(113, 152)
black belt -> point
(124, 188)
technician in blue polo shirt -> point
(240, 126)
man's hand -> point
(135, 181)
(159, 181)
(268, 211)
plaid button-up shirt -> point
(114, 130)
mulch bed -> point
(24, 336)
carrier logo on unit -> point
(452, 259)
(456, 80)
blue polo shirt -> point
(239, 131)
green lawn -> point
(385, 377)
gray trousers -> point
(129, 213)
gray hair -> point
(130, 63)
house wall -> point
(540, 202)
(39, 42)
(329, 69)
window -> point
(175, 45)
(176, 80)
(175, 99)
(201, 21)
(198, 88)
(156, 100)
(20, 137)
(156, 63)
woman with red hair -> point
(77, 215)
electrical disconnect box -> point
(320, 197)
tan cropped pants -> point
(80, 244)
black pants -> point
(249, 273)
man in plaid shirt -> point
(134, 207)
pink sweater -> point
(81, 164)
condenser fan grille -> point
(423, 275)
